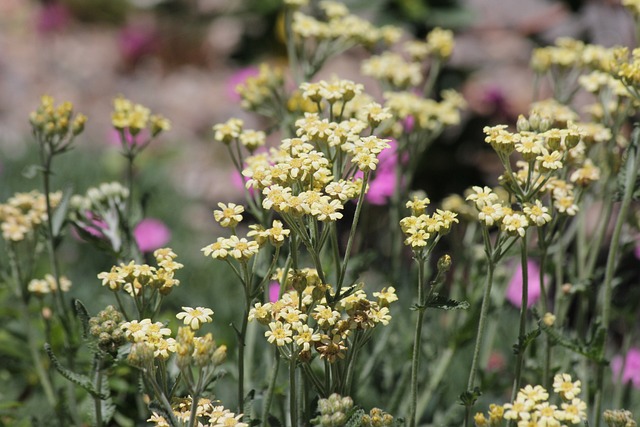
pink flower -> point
(52, 17)
(238, 78)
(514, 289)
(631, 372)
(383, 184)
(136, 41)
(94, 228)
(151, 234)
(114, 137)
(239, 181)
(274, 291)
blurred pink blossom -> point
(514, 289)
(114, 137)
(383, 184)
(52, 17)
(94, 229)
(237, 78)
(239, 181)
(637, 250)
(274, 291)
(631, 372)
(151, 234)
(136, 41)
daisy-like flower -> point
(113, 279)
(574, 411)
(585, 175)
(418, 205)
(566, 204)
(229, 215)
(305, 337)
(327, 210)
(538, 214)
(242, 249)
(226, 132)
(515, 223)
(550, 161)
(563, 385)
(194, 317)
(325, 316)
(482, 196)
(518, 410)
(548, 415)
(280, 333)
(533, 393)
(490, 214)
(386, 296)
(217, 250)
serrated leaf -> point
(444, 303)
(107, 405)
(523, 342)
(60, 214)
(356, 419)
(83, 315)
(78, 379)
(591, 351)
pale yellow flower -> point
(194, 317)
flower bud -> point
(522, 125)
(444, 263)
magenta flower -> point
(239, 181)
(136, 41)
(94, 227)
(383, 184)
(514, 289)
(238, 78)
(274, 291)
(151, 234)
(114, 137)
(631, 372)
(52, 17)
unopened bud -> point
(522, 125)
(549, 319)
(444, 263)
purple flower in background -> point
(237, 78)
(151, 234)
(136, 41)
(52, 17)
(514, 289)
(94, 227)
(383, 184)
(631, 372)
(637, 250)
(274, 291)
(114, 137)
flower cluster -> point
(261, 93)
(23, 213)
(619, 418)
(377, 418)
(133, 118)
(420, 229)
(208, 414)
(305, 321)
(134, 279)
(48, 285)
(532, 406)
(55, 124)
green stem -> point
(631, 172)
(352, 233)
(523, 318)
(268, 398)
(417, 339)
(97, 402)
(293, 404)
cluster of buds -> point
(55, 126)
(377, 418)
(262, 92)
(23, 213)
(106, 329)
(334, 411)
(619, 418)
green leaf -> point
(524, 341)
(469, 397)
(60, 214)
(591, 350)
(444, 303)
(108, 407)
(83, 315)
(78, 379)
(356, 419)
